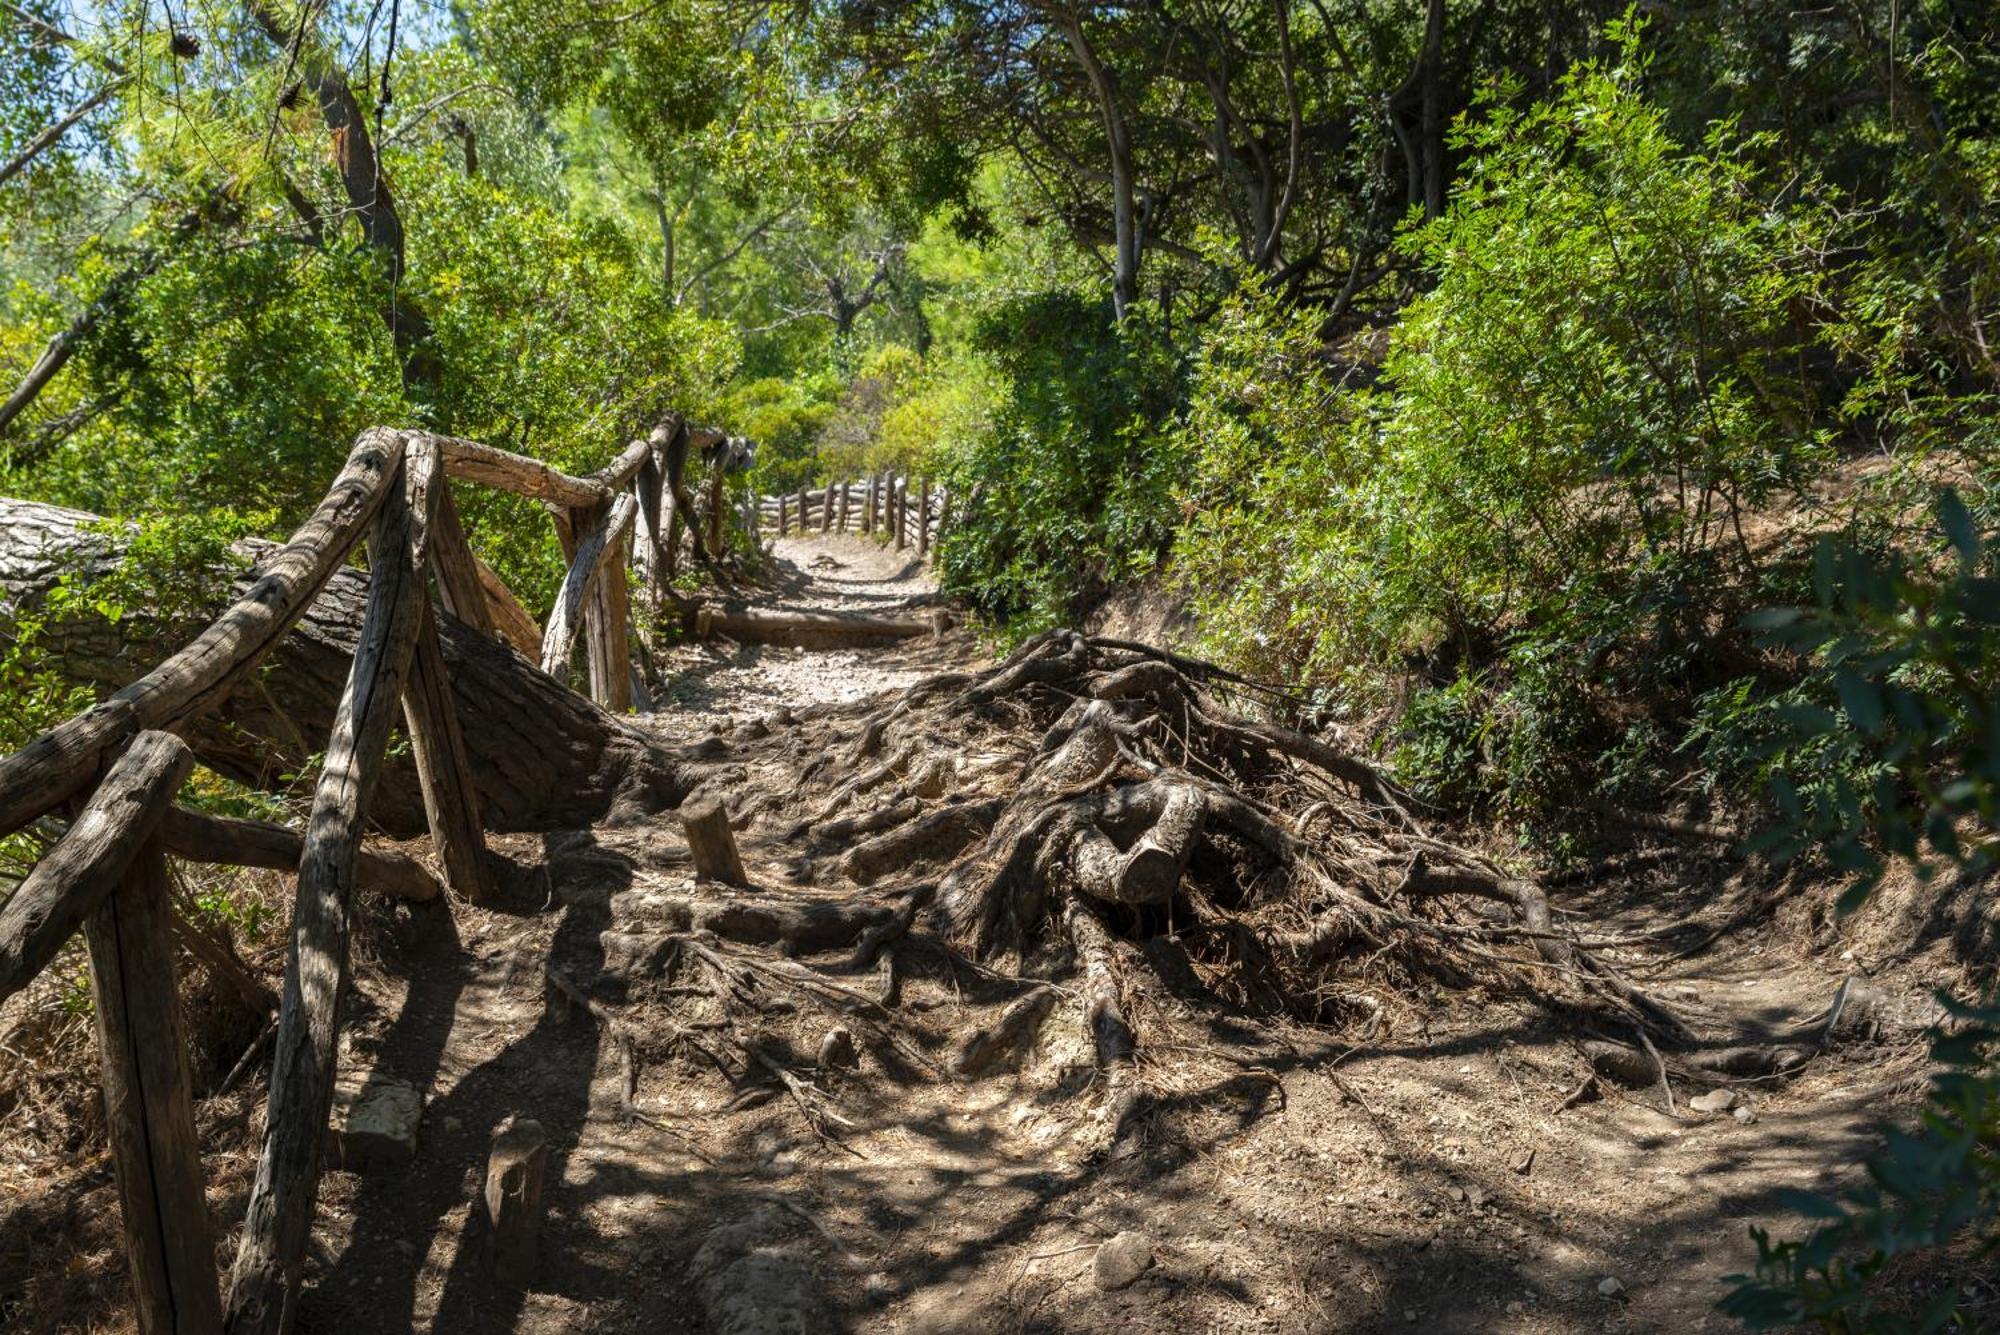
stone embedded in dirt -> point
(1715, 1101)
(836, 1050)
(1122, 1259)
(1525, 1162)
(1745, 1114)
(754, 1278)
(374, 1121)
(1609, 1287)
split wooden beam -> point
(444, 771)
(278, 1219)
(148, 1099)
(460, 588)
(57, 765)
(597, 548)
(923, 518)
(90, 859)
(510, 619)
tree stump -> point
(514, 1170)
(712, 842)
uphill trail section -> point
(1059, 993)
(716, 683)
(1417, 1171)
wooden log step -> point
(811, 630)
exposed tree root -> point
(1083, 830)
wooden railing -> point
(116, 768)
(906, 511)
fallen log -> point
(202, 671)
(809, 630)
(542, 757)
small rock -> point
(1525, 1162)
(1122, 1259)
(879, 1288)
(373, 1122)
(1456, 1193)
(1514, 1308)
(1476, 1198)
(1609, 1287)
(1745, 1114)
(1715, 1101)
(836, 1050)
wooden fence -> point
(908, 512)
(115, 769)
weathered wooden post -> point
(923, 517)
(515, 1168)
(712, 843)
(804, 497)
(868, 505)
(826, 508)
(278, 1218)
(784, 517)
(148, 1101)
(899, 492)
(444, 772)
(845, 489)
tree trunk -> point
(542, 757)
(1127, 241)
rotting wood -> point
(199, 837)
(608, 629)
(88, 862)
(507, 471)
(148, 1102)
(278, 1219)
(52, 768)
(444, 770)
(819, 630)
(712, 842)
(621, 470)
(566, 616)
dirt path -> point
(716, 684)
(1422, 1176)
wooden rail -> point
(107, 873)
(906, 511)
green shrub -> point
(1911, 648)
(1072, 487)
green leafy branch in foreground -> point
(1912, 657)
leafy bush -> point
(1072, 487)
(1625, 358)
